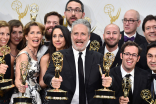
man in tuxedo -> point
(111, 38)
(51, 19)
(75, 10)
(80, 74)
(130, 55)
(130, 23)
(151, 62)
(149, 29)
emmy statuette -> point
(94, 45)
(146, 95)
(105, 93)
(24, 68)
(34, 8)
(5, 83)
(126, 86)
(57, 94)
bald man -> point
(131, 21)
(111, 39)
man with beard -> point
(75, 10)
(149, 29)
(130, 55)
(111, 38)
(80, 75)
(51, 19)
(130, 23)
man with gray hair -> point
(80, 74)
(131, 21)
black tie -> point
(130, 91)
(82, 92)
(46, 43)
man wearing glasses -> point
(75, 10)
(131, 21)
(149, 29)
(130, 55)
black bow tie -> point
(46, 43)
(154, 76)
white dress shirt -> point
(154, 81)
(124, 73)
(114, 52)
(75, 99)
(130, 36)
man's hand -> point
(123, 100)
(3, 68)
(106, 81)
(56, 82)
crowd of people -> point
(135, 57)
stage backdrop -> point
(100, 12)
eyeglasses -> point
(128, 55)
(129, 21)
(75, 10)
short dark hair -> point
(78, 1)
(16, 23)
(55, 14)
(66, 35)
(131, 43)
(147, 18)
(151, 45)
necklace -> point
(32, 52)
(12, 55)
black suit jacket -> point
(94, 36)
(92, 75)
(140, 83)
(117, 60)
(138, 39)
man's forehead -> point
(74, 4)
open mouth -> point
(129, 62)
(79, 43)
(35, 41)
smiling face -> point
(58, 39)
(16, 35)
(151, 59)
(34, 36)
(51, 22)
(72, 16)
(4, 35)
(112, 35)
(129, 62)
(150, 31)
(80, 37)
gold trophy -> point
(126, 86)
(146, 95)
(34, 8)
(57, 94)
(5, 83)
(94, 45)
(105, 93)
(24, 68)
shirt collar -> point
(123, 72)
(130, 36)
(114, 52)
(76, 53)
(153, 72)
(69, 28)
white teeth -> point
(35, 40)
(3, 41)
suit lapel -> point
(71, 60)
(88, 63)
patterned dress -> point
(33, 87)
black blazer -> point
(140, 83)
(94, 36)
(138, 39)
(117, 60)
(92, 75)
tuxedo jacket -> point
(117, 60)
(94, 36)
(138, 39)
(140, 83)
(92, 75)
